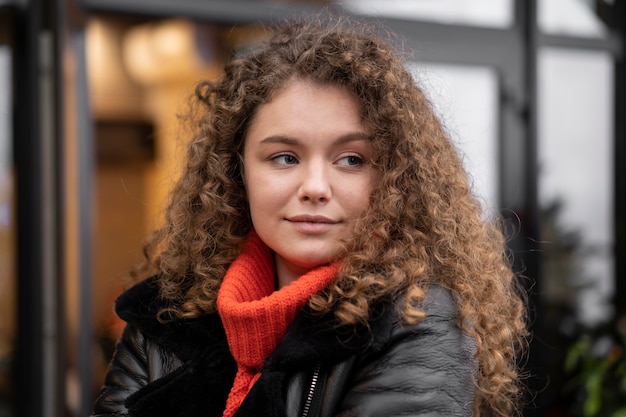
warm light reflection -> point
(113, 94)
(165, 51)
(139, 74)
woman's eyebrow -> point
(343, 139)
(353, 137)
(279, 139)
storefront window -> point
(570, 18)
(485, 13)
(575, 98)
(466, 99)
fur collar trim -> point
(310, 336)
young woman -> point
(322, 253)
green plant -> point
(598, 369)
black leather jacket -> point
(184, 368)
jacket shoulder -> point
(439, 301)
(428, 368)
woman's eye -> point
(285, 159)
(351, 160)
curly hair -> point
(423, 224)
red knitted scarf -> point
(255, 316)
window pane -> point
(488, 13)
(575, 99)
(7, 242)
(466, 99)
(570, 17)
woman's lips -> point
(312, 224)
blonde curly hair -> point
(423, 225)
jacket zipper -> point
(311, 393)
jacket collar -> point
(310, 337)
(201, 385)
(317, 337)
(187, 338)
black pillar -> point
(39, 376)
(619, 23)
(526, 244)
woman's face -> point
(308, 174)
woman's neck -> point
(286, 272)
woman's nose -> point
(315, 184)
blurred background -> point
(532, 92)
